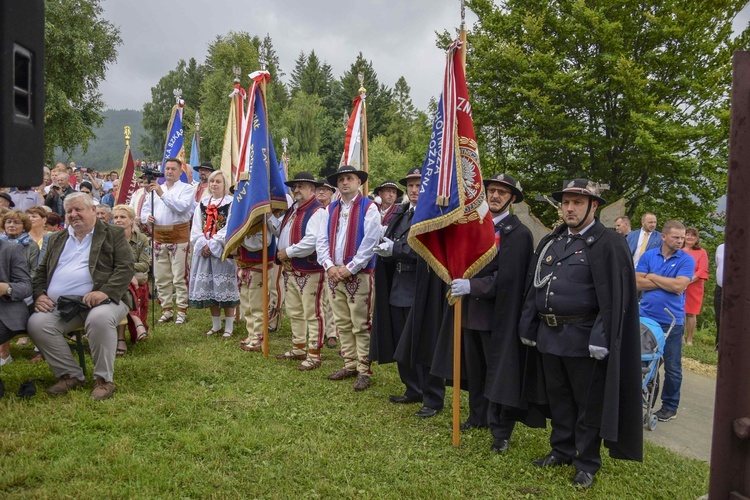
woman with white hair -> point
(213, 283)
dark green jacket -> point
(110, 262)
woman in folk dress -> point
(213, 283)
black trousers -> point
(417, 379)
(575, 390)
(476, 358)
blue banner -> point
(260, 189)
(175, 145)
(195, 159)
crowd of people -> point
(548, 333)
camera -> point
(151, 174)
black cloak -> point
(614, 282)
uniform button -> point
(550, 309)
(554, 278)
(552, 293)
(558, 263)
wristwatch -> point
(10, 290)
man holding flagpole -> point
(173, 207)
(345, 250)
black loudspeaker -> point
(21, 92)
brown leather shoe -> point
(65, 384)
(309, 365)
(291, 355)
(342, 374)
(252, 347)
(332, 343)
(362, 382)
(102, 390)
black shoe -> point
(550, 461)
(500, 445)
(426, 412)
(665, 415)
(467, 426)
(583, 479)
(404, 400)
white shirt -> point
(198, 238)
(72, 275)
(637, 256)
(373, 230)
(254, 242)
(720, 265)
(496, 220)
(306, 245)
(174, 206)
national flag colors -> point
(260, 189)
(452, 228)
(128, 180)
(353, 141)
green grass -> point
(704, 346)
(195, 417)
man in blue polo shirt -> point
(663, 274)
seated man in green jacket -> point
(92, 260)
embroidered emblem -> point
(548, 259)
(351, 285)
(301, 281)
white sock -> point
(216, 323)
(228, 323)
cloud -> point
(398, 37)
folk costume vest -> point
(355, 230)
(298, 230)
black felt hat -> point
(346, 169)
(303, 177)
(414, 173)
(508, 181)
(580, 186)
(207, 165)
(389, 184)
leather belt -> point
(175, 233)
(405, 267)
(553, 320)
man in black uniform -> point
(395, 286)
(490, 342)
(581, 312)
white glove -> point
(597, 352)
(384, 249)
(460, 287)
(528, 342)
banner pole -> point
(457, 306)
(264, 229)
(457, 373)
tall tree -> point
(409, 130)
(188, 77)
(635, 96)
(79, 45)
(235, 49)
(379, 96)
(296, 77)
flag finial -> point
(284, 143)
(127, 136)
(197, 121)
(177, 93)
(237, 72)
(361, 78)
(263, 56)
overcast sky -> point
(398, 37)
